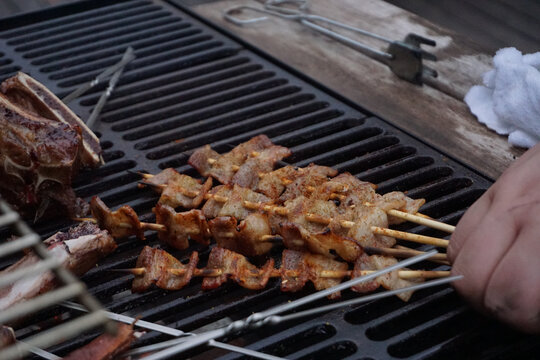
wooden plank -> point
(435, 113)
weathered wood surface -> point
(434, 113)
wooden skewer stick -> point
(144, 225)
(414, 218)
(419, 219)
(331, 274)
(161, 227)
(405, 252)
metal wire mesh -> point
(69, 287)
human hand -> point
(496, 247)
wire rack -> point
(69, 288)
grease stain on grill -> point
(335, 351)
(299, 341)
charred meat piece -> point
(299, 267)
(212, 207)
(245, 238)
(310, 177)
(38, 160)
(249, 173)
(390, 281)
(364, 218)
(223, 167)
(35, 98)
(349, 188)
(234, 204)
(43, 145)
(182, 226)
(120, 223)
(238, 268)
(274, 183)
(78, 250)
(106, 347)
(325, 243)
(302, 234)
(398, 201)
(156, 263)
(181, 190)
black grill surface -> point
(191, 85)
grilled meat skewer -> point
(156, 266)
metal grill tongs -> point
(70, 288)
(404, 57)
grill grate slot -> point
(94, 35)
(111, 17)
(252, 94)
(151, 71)
(395, 169)
(141, 40)
(139, 94)
(298, 341)
(416, 314)
(378, 151)
(188, 93)
(432, 333)
(188, 136)
(69, 19)
(152, 58)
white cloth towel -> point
(509, 100)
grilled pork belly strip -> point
(224, 167)
(156, 262)
(176, 188)
(238, 268)
(388, 281)
(247, 237)
(182, 226)
(78, 250)
(156, 266)
(248, 174)
(120, 223)
(106, 347)
(33, 96)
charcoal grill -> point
(193, 84)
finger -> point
(513, 292)
(468, 223)
(480, 253)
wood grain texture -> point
(434, 113)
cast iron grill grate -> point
(191, 85)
